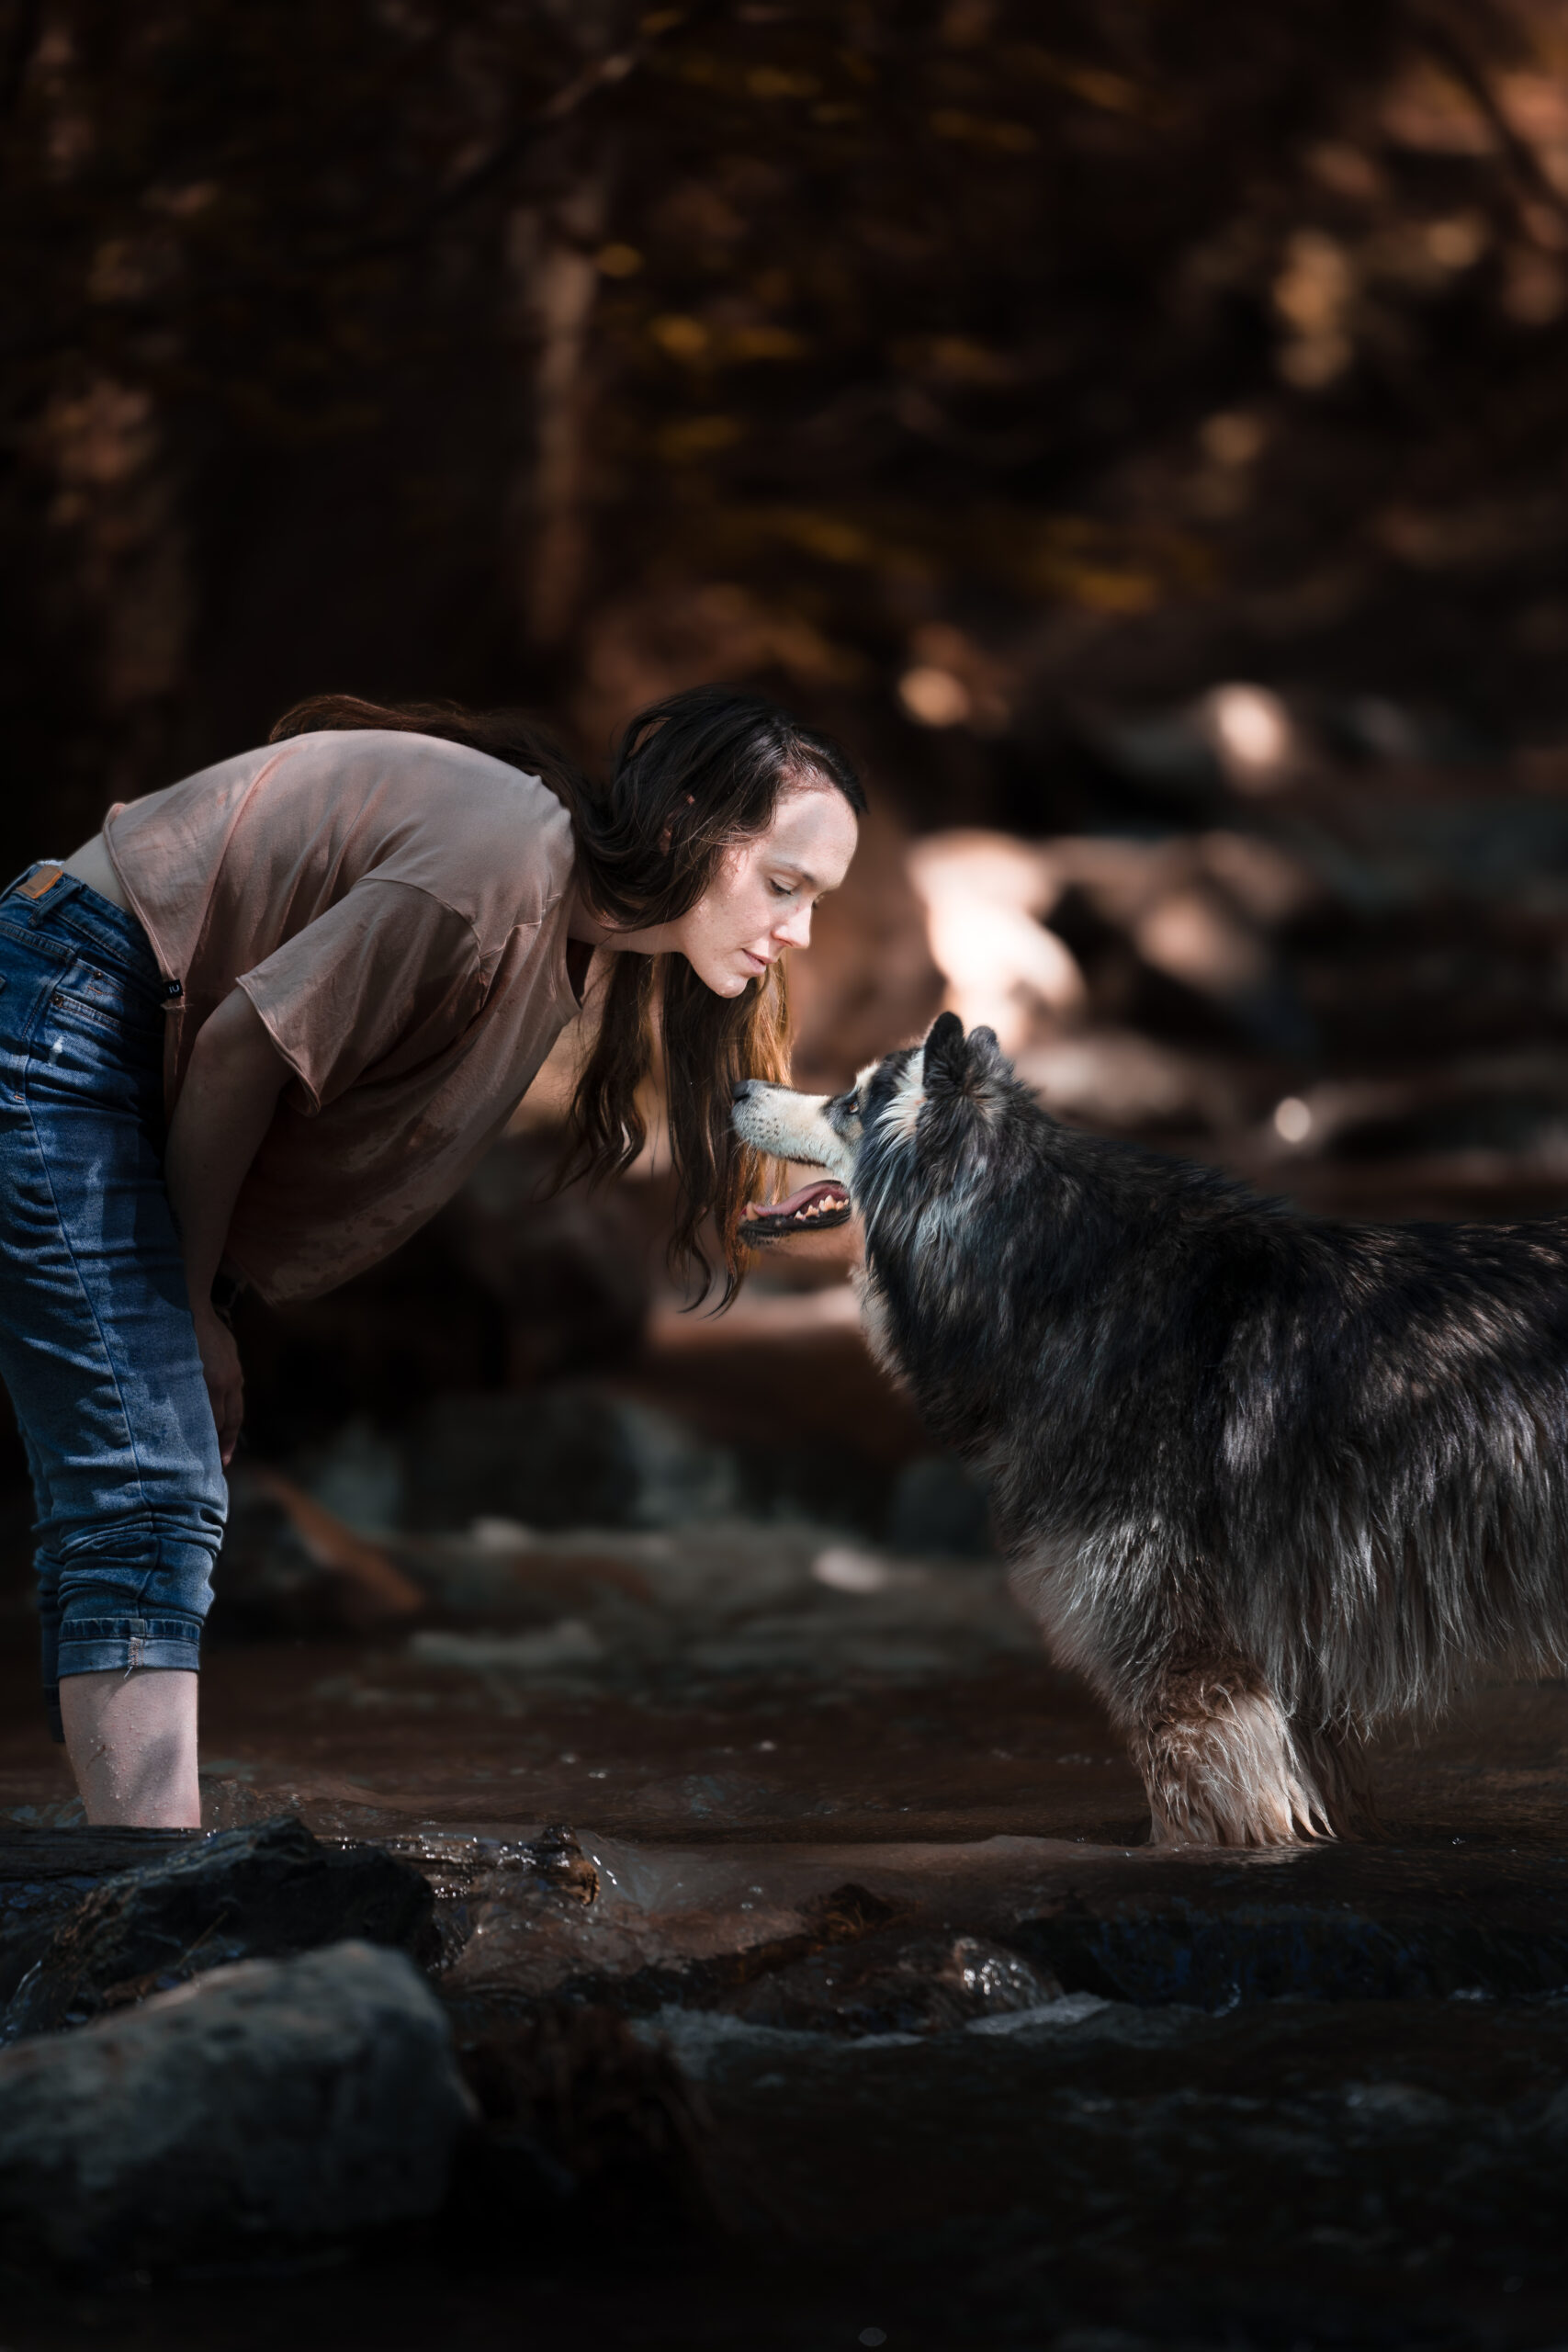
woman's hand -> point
(231, 1091)
(225, 1381)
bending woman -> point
(338, 963)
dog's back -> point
(1340, 1449)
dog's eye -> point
(852, 1104)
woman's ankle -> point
(132, 1737)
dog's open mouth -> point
(813, 1207)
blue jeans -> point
(97, 1347)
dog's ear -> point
(951, 1059)
(946, 1056)
(986, 1058)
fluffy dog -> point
(1263, 1478)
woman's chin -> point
(725, 983)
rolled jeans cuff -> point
(89, 1644)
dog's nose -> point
(741, 1090)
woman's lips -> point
(757, 963)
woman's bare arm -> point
(225, 1107)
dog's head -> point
(913, 1118)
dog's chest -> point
(875, 1323)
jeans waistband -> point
(75, 906)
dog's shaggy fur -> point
(1264, 1479)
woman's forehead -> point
(814, 826)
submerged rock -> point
(269, 2103)
(259, 1893)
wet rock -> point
(255, 1892)
(270, 2103)
(895, 1984)
(552, 1924)
(559, 1862)
(765, 1932)
(46, 1874)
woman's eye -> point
(781, 889)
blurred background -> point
(1137, 433)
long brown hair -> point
(694, 775)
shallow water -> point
(1331, 2083)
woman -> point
(339, 961)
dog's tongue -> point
(797, 1201)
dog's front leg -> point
(1223, 1766)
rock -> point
(257, 1892)
(895, 1984)
(269, 2103)
(46, 1872)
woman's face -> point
(761, 899)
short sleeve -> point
(379, 982)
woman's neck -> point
(585, 926)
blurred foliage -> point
(1076, 352)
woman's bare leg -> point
(131, 1741)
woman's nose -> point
(797, 932)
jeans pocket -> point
(98, 1004)
(92, 1046)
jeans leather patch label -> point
(44, 879)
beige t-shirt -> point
(395, 907)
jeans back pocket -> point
(93, 1034)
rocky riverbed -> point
(760, 1934)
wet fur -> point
(1264, 1479)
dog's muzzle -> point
(816, 1206)
(811, 1210)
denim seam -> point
(117, 953)
(98, 1326)
(131, 1619)
(25, 936)
(127, 949)
(177, 1627)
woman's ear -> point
(667, 835)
